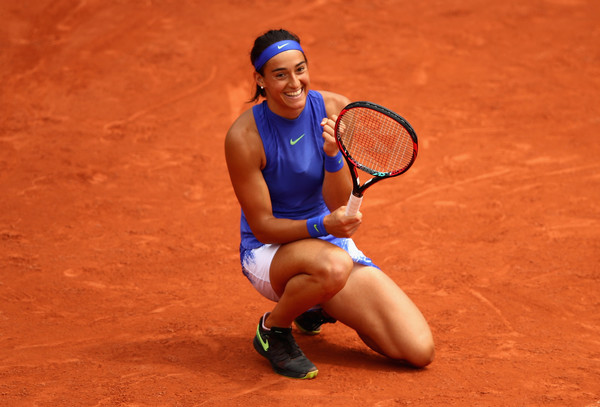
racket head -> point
(375, 139)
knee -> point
(423, 356)
(334, 272)
(421, 353)
(418, 353)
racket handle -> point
(353, 205)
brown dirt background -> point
(120, 283)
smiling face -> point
(286, 82)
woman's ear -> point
(260, 81)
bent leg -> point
(305, 273)
(383, 316)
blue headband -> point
(274, 49)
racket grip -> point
(353, 205)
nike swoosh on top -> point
(292, 142)
(282, 45)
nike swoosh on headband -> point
(274, 49)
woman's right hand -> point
(340, 225)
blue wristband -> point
(334, 164)
(315, 226)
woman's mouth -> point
(294, 94)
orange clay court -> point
(120, 283)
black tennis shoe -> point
(310, 322)
(278, 346)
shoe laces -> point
(314, 319)
(287, 346)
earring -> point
(261, 88)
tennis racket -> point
(375, 140)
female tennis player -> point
(296, 248)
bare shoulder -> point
(241, 127)
(243, 133)
(334, 102)
(243, 141)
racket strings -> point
(376, 141)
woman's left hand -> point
(330, 147)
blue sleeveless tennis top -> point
(295, 163)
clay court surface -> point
(120, 283)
